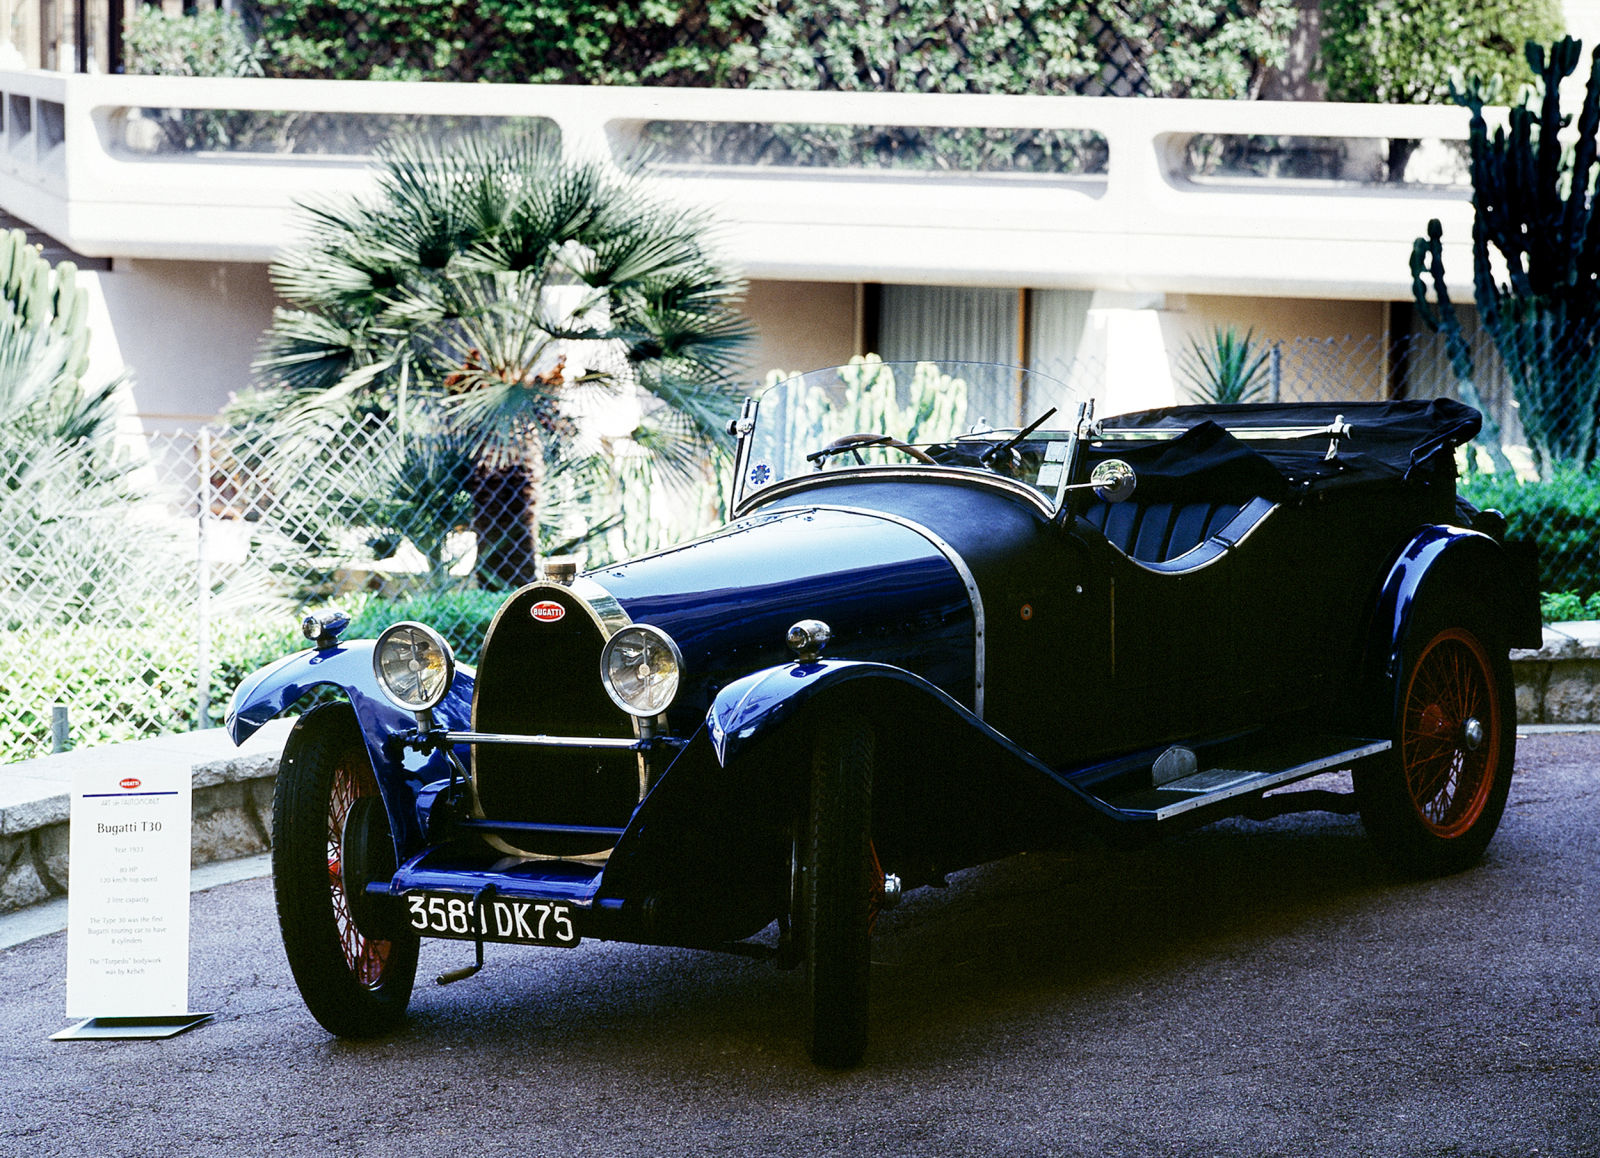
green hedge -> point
(134, 683)
(1566, 607)
(1561, 514)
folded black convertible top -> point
(1269, 449)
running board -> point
(1239, 770)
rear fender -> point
(1450, 565)
(347, 667)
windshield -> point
(872, 415)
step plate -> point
(1259, 771)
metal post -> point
(80, 30)
(60, 728)
(203, 582)
(114, 18)
(1277, 371)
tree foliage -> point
(1197, 48)
(209, 43)
(1202, 48)
(1406, 51)
(508, 41)
(527, 319)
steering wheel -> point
(851, 440)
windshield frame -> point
(1048, 491)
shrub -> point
(462, 617)
(1565, 606)
(1206, 48)
(508, 41)
(135, 682)
(1561, 514)
(212, 43)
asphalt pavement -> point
(1243, 989)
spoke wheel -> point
(1450, 711)
(837, 894)
(354, 984)
(1433, 806)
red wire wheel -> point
(1450, 726)
(363, 956)
(355, 985)
(1433, 802)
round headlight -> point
(640, 667)
(414, 666)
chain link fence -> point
(134, 604)
(137, 602)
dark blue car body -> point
(1014, 661)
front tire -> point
(1434, 803)
(354, 985)
(836, 895)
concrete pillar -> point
(1124, 336)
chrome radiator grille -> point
(540, 674)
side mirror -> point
(1113, 480)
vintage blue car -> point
(955, 615)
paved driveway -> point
(1245, 989)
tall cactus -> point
(40, 296)
(1533, 203)
(1427, 258)
(44, 347)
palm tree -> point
(532, 310)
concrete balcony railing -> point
(1114, 194)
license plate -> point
(493, 919)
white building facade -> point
(1117, 261)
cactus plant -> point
(1532, 201)
(42, 297)
(44, 347)
(1227, 367)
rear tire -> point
(836, 895)
(355, 986)
(1434, 801)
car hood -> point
(890, 591)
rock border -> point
(1559, 682)
(232, 807)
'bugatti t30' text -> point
(954, 616)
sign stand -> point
(129, 1028)
(128, 906)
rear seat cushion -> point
(1157, 532)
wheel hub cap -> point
(1472, 733)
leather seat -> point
(1158, 532)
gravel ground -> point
(1244, 989)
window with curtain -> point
(979, 324)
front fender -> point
(949, 791)
(765, 702)
(401, 772)
(267, 692)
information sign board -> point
(128, 896)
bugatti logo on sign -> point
(130, 784)
(547, 612)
